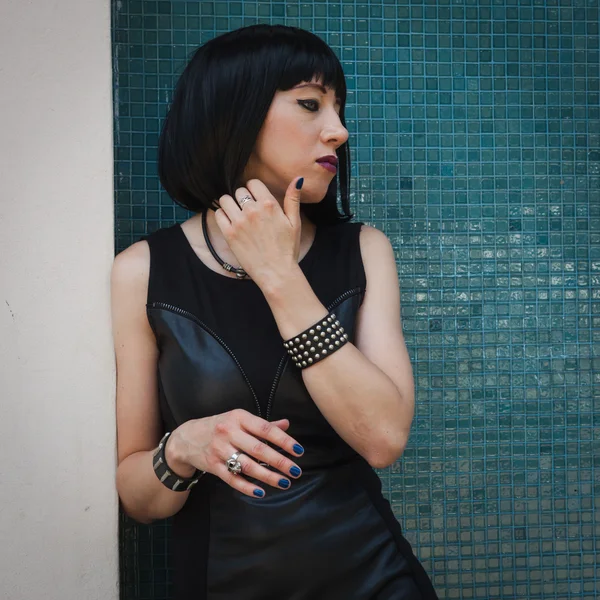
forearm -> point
(143, 496)
(358, 399)
(362, 404)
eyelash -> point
(303, 103)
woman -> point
(259, 380)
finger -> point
(263, 453)
(291, 201)
(240, 193)
(253, 469)
(258, 190)
(283, 424)
(241, 484)
(230, 207)
(265, 430)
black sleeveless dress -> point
(331, 535)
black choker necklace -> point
(240, 273)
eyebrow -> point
(320, 87)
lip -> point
(329, 163)
(328, 166)
(331, 159)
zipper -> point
(275, 382)
(343, 297)
(195, 319)
(184, 313)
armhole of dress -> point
(361, 274)
(149, 239)
(156, 242)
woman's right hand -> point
(207, 443)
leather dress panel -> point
(321, 538)
(192, 367)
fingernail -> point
(300, 183)
(298, 449)
(259, 493)
(295, 471)
(284, 483)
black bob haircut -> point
(220, 103)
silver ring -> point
(244, 199)
(233, 464)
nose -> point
(334, 132)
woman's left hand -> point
(264, 238)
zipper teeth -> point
(196, 320)
(275, 382)
(345, 295)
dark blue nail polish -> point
(259, 493)
(300, 183)
(295, 471)
(298, 449)
(284, 483)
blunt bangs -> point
(220, 103)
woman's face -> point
(302, 126)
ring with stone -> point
(233, 464)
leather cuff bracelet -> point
(165, 474)
(316, 342)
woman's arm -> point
(366, 390)
(142, 495)
(204, 443)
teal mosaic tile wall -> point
(475, 130)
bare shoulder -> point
(132, 265)
(374, 244)
(129, 291)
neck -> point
(221, 247)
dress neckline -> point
(196, 259)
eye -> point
(311, 105)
